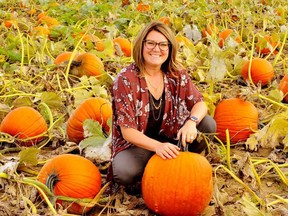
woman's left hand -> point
(187, 133)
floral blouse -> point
(130, 103)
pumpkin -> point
(26, 124)
(142, 7)
(47, 20)
(71, 176)
(262, 46)
(283, 86)
(87, 64)
(180, 186)
(262, 71)
(165, 20)
(238, 116)
(122, 45)
(9, 23)
(125, 2)
(98, 109)
(99, 45)
(63, 58)
(224, 35)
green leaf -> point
(94, 141)
(22, 101)
(92, 128)
(51, 99)
(29, 156)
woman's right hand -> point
(167, 150)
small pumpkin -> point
(49, 21)
(9, 23)
(283, 86)
(98, 43)
(87, 64)
(122, 45)
(262, 71)
(97, 108)
(238, 116)
(71, 176)
(180, 186)
(224, 35)
(142, 7)
(26, 124)
(165, 20)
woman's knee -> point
(207, 125)
(124, 175)
(128, 165)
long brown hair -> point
(170, 65)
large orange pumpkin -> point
(87, 64)
(262, 71)
(71, 176)
(238, 116)
(180, 186)
(26, 124)
(97, 108)
(283, 86)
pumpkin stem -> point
(76, 63)
(51, 181)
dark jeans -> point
(128, 165)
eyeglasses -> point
(150, 44)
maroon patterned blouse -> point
(130, 102)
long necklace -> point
(152, 101)
(156, 107)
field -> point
(250, 177)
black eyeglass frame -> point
(159, 43)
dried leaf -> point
(246, 170)
(96, 149)
(217, 70)
(250, 208)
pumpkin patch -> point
(37, 39)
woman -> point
(155, 104)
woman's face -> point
(155, 55)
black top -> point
(155, 116)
